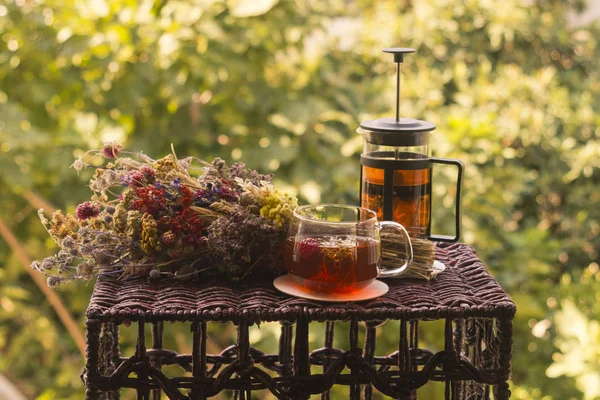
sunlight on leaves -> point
(579, 345)
(250, 8)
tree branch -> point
(55, 301)
(38, 201)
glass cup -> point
(333, 248)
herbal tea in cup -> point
(335, 248)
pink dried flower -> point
(309, 247)
(169, 238)
(139, 177)
(87, 210)
(111, 149)
(136, 178)
(148, 172)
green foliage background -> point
(513, 88)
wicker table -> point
(475, 361)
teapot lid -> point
(398, 131)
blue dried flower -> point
(176, 184)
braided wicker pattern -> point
(474, 363)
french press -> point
(396, 167)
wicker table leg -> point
(413, 343)
(285, 349)
(157, 344)
(329, 330)
(501, 391)
(109, 355)
(459, 348)
(354, 389)
(504, 333)
(143, 389)
(370, 343)
(301, 357)
(450, 355)
(244, 359)
(404, 359)
(92, 334)
(198, 358)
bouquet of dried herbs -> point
(168, 218)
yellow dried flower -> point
(120, 215)
(128, 197)
(134, 225)
(120, 219)
(222, 207)
(62, 226)
(99, 198)
(164, 167)
(97, 224)
(150, 237)
(279, 207)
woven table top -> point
(464, 289)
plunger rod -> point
(398, 92)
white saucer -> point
(436, 269)
(287, 285)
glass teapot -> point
(396, 169)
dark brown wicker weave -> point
(478, 338)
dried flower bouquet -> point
(169, 218)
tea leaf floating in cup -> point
(422, 267)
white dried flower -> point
(68, 243)
(78, 165)
(185, 163)
(48, 264)
(54, 281)
(36, 265)
(145, 158)
(155, 273)
(258, 193)
(43, 218)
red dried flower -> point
(187, 197)
(228, 194)
(87, 210)
(163, 223)
(195, 241)
(111, 149)
(189, 227)
(150, 200)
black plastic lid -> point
(397, 131)
(405, 132)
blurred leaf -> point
(250, 8)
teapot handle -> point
(388, 273)
(460, 167)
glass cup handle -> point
(387, 273)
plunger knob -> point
(399, 52)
